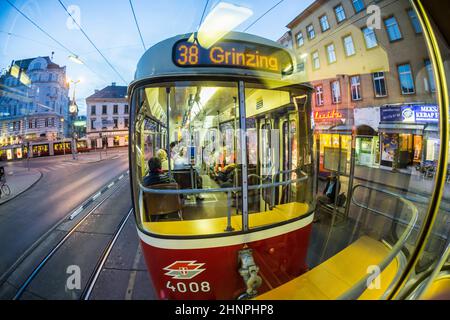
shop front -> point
(367, 121)
(406, 132)
(333, 140)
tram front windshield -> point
(194, 177)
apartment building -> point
(370, 68)
(107, 120)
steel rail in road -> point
(60, 243)
(99, 267)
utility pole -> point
(73, 109)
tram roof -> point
(158, 62)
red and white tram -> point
(231, 127)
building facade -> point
(366, 59)
(108, 118)
(34, 102)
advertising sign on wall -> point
(411, 114)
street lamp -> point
(73, 110)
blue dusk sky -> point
(110, 25)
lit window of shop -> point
(406, 79)
(319, 96)
(370, 38)
(393, 29)
(379, 84)
(316, 60)
(324, 24)
(331, 53)
(349, 46)
(335, 92)
(355, 83)
(311, 32)
(358, 5)
(116, 141)
(340, 13)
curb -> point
(31, 186)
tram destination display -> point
(233, 54)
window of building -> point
(30, 124)
(349, 46)
(379, 84)
(340, 13)
(127, 109)
(316, 60)
(393, 29)
(311, 32)
(358, 5)
(126, 122)
(415, 21)
(116, 123)
(104, 109)
(331, 53)
(116, 109)
(92, 124)
(300, 40)
(370, 38)
(406, 79)
(319, 96)
(46, 123)
(355, 86)
(93, 110)
(431, 79)
(324, 25)
(335, 92)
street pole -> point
(73, 115)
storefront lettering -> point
(331, 115)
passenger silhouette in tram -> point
(329, 193)
(162, 155)
(156, 175)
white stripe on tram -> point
(186, 244)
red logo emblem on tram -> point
(184, 270)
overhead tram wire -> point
(48, 35)
(263, 15)
(137, 24)
(203, 14)
(93, 44)
(42, 30)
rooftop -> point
(110, 92)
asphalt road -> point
(61, 190)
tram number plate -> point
(191, 287)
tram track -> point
(79, 217)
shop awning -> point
(410, 128)
(432, 128)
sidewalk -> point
(93, 157)
(19, 180)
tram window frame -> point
(247, 83)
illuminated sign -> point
(233, 54)
(329, 115)
(410, 114)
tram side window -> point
(280, 192)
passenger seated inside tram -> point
(329, 193)
(225, 177)
(156, 175)
(162, 155)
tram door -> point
(289, 156)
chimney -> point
(113, 84)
